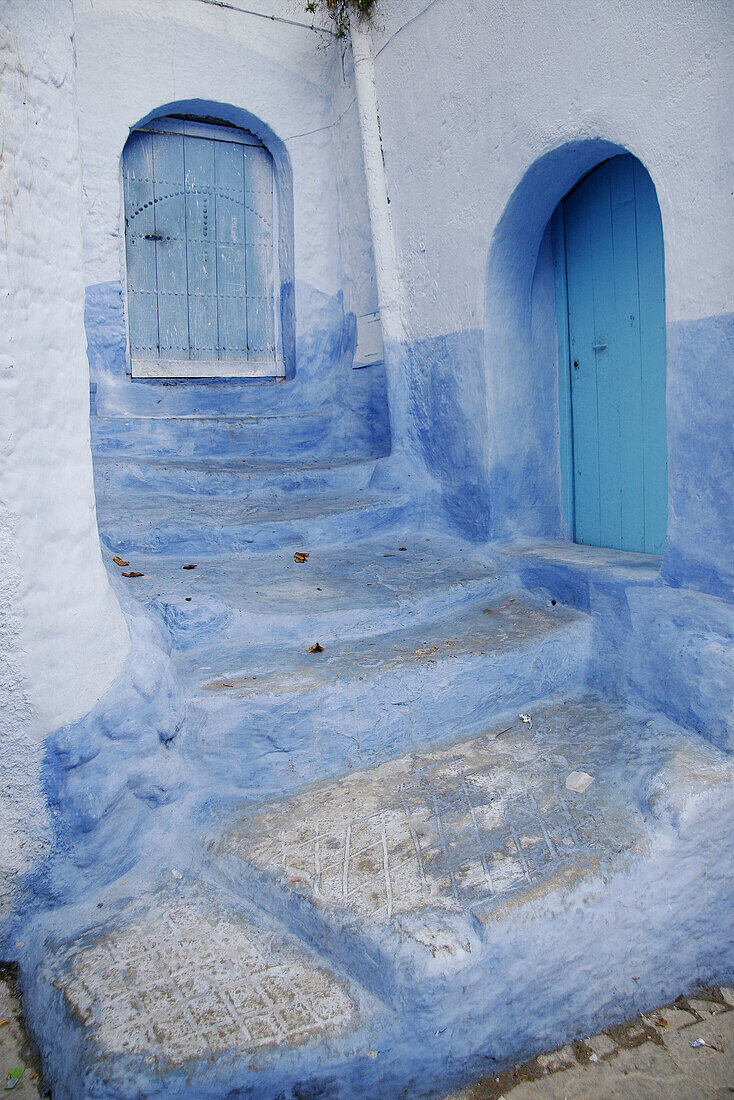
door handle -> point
(153, 237)
(598, 347)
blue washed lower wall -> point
(700, 548)
(670, 646)
(669, 649)
(481, 495)
(323, 380)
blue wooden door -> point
(608, 244)
(200, 251)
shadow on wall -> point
(521, 347)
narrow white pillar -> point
(389, 293)
(62, 629)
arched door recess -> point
(200, 235)
(610, 306)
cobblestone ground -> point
(651, 1057)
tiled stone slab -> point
(469, 827)
(189, 982)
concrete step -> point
(285, 435)
(274, 716)
(159, 524)
(347, 591)
(180, 994)
(469, 877)
(121, 477)
(383, 933)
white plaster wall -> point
(65, 637)
(472, 94)
(135, 55)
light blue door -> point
(200, 251)
(608, 254)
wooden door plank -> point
(651, 267)
(627, 364)
(578, 210)
(142, 283)
(607, 360)
(260, 253)
(201, 248)
(564, 367)
(229, 168)
(170, 249)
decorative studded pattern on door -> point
(199, 234)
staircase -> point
(378, 879)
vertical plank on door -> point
(578, 218)
(564, 367)
(625, 359)
(229, 168)
(651, 268)
(142, 284)
(170, 250)
(605, 354)
(201, 248)
(259, 248)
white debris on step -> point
(579, 782)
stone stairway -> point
(377, 880)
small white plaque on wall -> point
(369, 348)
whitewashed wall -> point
(135, 56)
(472, 96)
(62, 635)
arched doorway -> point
(610, 312)
(200, 240)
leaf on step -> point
(189, 567)
(120, 561)
(315, 648)
(132, 573)
(300, 556)
(402, 547)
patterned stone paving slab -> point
(473, 826)
(190, 982)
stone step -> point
(397, 927)
(285, 435)
(122, 477)
(354, 591)
(159, 524)
(181, 994)
(468, 880)
(275, 716)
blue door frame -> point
(610, 310)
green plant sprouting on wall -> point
(339, 11)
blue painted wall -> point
(323, 379)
